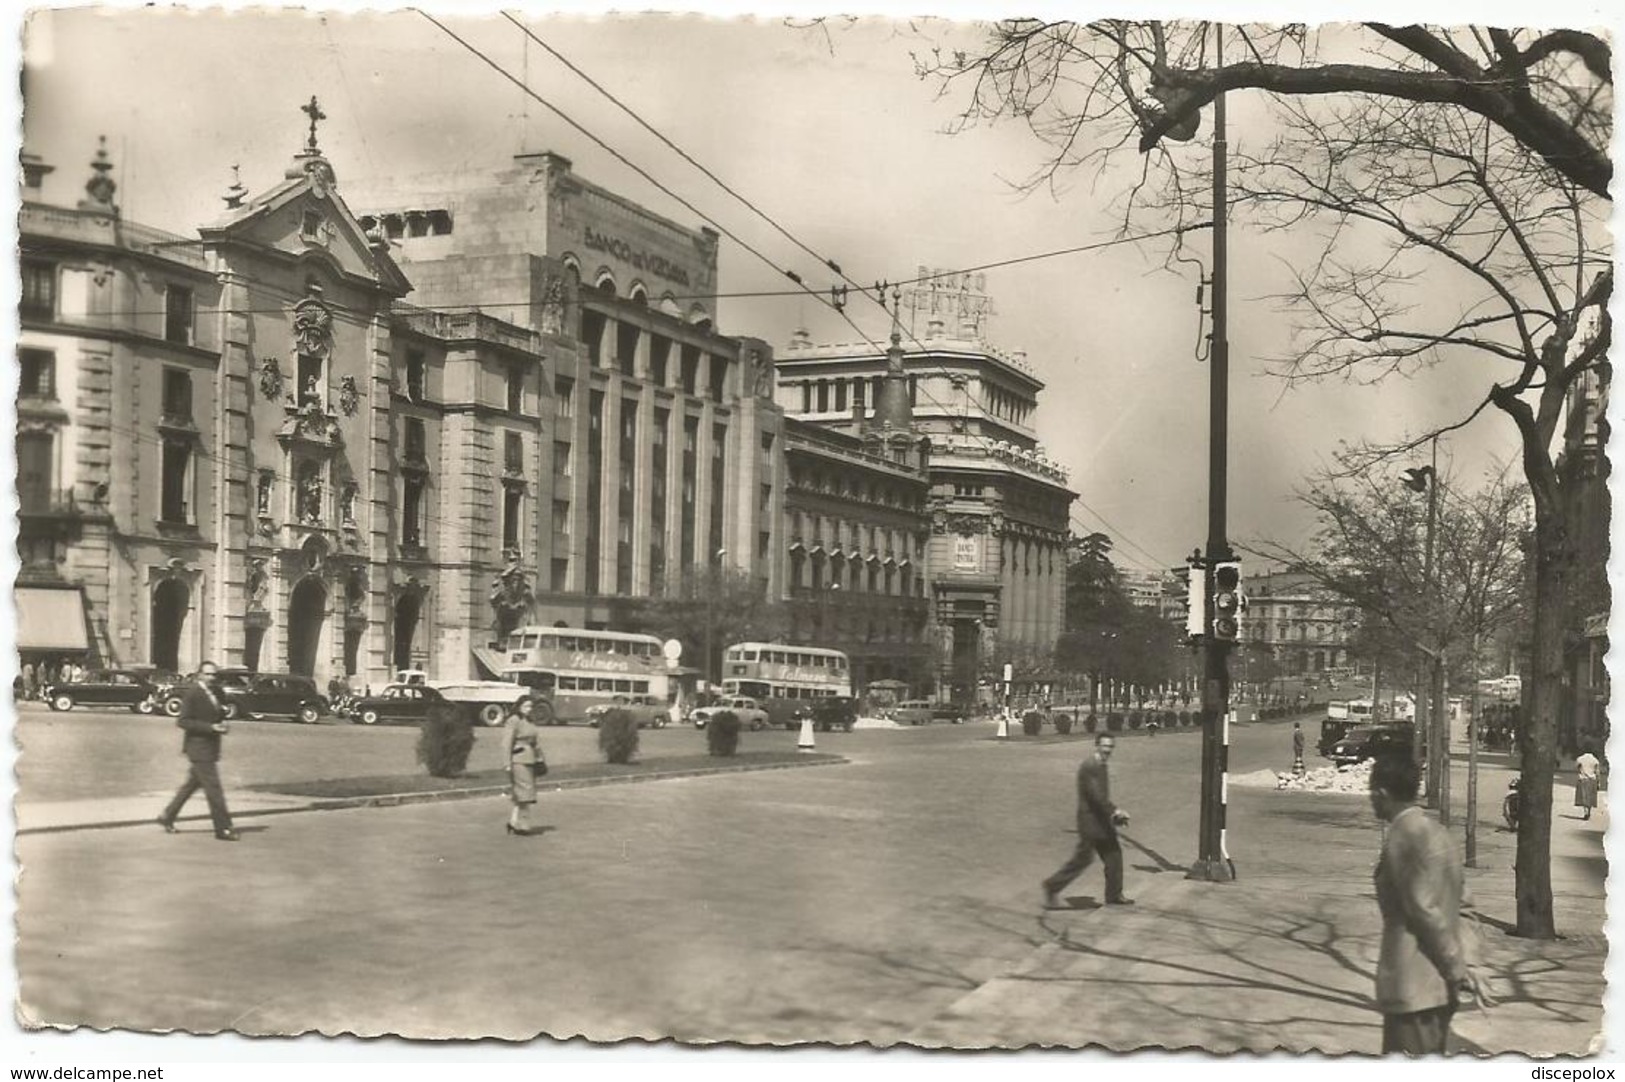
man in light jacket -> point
(1422, 969)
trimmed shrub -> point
(445, 739)
(1032, 723)
(1114, 722)
(722, 733)
(1170, 720)
(1090, 723)
(618, 735)
(1063, 724)
(1135, 719)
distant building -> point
(999, 508)
(1304, 629)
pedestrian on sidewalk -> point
(1422, 970)
(525, 765)
(1585, 781)
(1297, 749)
(204, 721)
(1098, 820)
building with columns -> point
(998, 508)
(656, 451)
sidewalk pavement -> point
(1285, 957)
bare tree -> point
(1087, 89)
(1457, 183)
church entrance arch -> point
(307, 615)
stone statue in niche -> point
(347, 498)
(259, 584)
(262, 494)
(355, 590)
(310, 497)
(309, 396)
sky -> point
(835, 137)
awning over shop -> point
(50, 619)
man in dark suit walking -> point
(1098, 820)
(204, 720)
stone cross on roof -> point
(314, 111)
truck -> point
(749, 711)
(491, 701)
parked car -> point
(109, 687)
(397, 702)
(1371, 741)
(749, 711)
(649, 713)
(273, 695)
(953, 713)
(167, 696)
(912, 712)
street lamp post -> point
(1438, 791)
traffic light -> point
(1227, 602)
(1195, 600)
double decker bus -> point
(785, 679)
(571, 669)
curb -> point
(392, 800)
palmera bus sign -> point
(599, 662)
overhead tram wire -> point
(796, 278)
(807, 290)
(826, 261)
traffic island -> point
(409, 788)
(325, 794)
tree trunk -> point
(1553, 562)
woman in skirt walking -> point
(1585, 782)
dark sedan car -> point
(113, 687)
(397, 702)
(272, 695)
(1369, 742)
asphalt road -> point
(848, 903)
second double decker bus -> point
(572, 669)
(784, 679)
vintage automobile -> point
(912, 712)
(953, 713)
(397, 702)
(258, 695)
(649, 713)
(749, 711)
(110, 687)
(1370, 742)
(835, 712)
